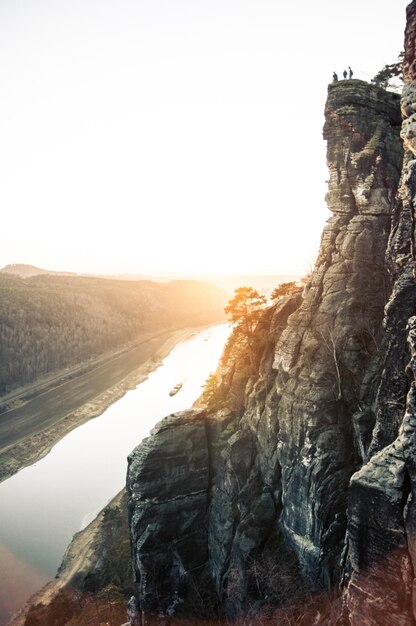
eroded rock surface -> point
(329, 354)
(381, 512)
(253, 497)
(168, 482)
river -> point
(43, 505)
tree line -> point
(48, 323)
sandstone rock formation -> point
(248, 503)
(170, 495)
(381, 558)
(305, 480)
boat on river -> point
(49, 515)
(175, 390)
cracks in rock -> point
(277, 505)
(158, 502)
(406, 504)
(209, 464)
(227, 560)
(412, 237)
(363, 213)
(353, 200)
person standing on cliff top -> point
(345, 74)
(351, 72)
(335, 77)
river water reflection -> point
(43, 505)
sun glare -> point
(180, 136)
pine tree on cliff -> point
(244, 311)
(284, 289)
(388, 72)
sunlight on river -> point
(45, 504)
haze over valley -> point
(208, 313)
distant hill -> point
(51, 321)
(228, 283)
(26, 271)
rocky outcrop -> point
(381, 526)
(381, 512)
(168, 482)
(250, 501)
(180, 480)
(329, 354)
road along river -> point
(43, 505)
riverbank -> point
(64, 408)
(83, 560)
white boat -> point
(175, 390)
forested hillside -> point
(50, 322)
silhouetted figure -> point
(351, 73)
(335, 77)
(345, 74)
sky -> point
(155, 136)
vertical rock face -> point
(329, 354)
(381, 510)
(251, 502)
(168, 483)
(307, 424)
(196, 496)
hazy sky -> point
(174, 135)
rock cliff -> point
(380, 547)
(301, 477)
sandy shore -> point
(33, 447)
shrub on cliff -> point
(212, 394)
(390, 71)
(284, 289)
(244, 311)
